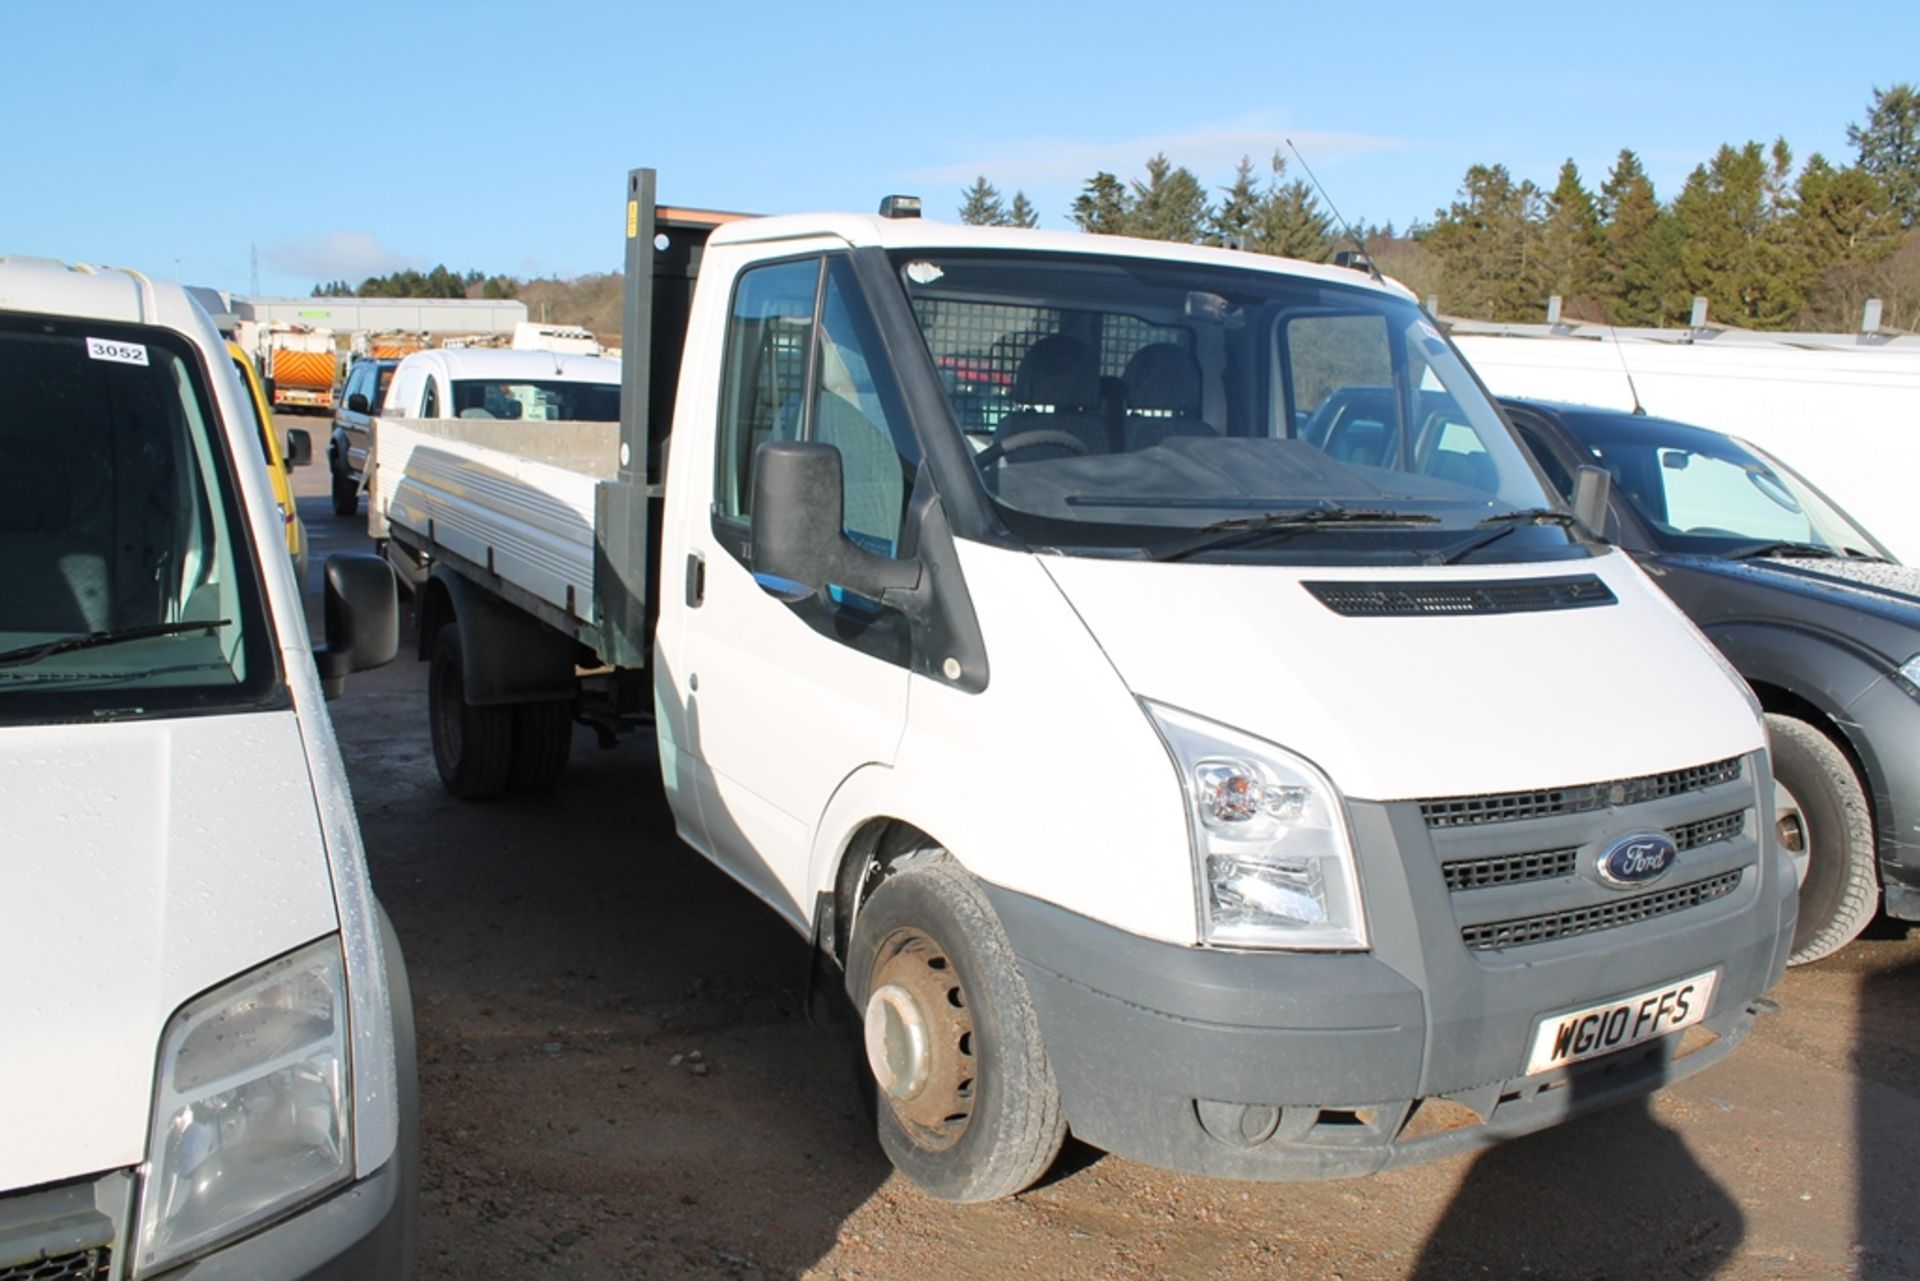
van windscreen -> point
(127, 583)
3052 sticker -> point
(125, 353)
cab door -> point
(772, 704)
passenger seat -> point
(1163, 396)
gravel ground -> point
(618, 1080)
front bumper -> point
(364, 1230)
(1269, 1065)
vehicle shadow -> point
(1886, 1102)
(618, 1077)
(1613, 1195)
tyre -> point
(1821, 820)
(542, 742)
(966, 1104)
(472, 746)
(346, 494)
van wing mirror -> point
(1592, 488)
(299, 448)
(357, 403)
(362, 618)
(798, 545)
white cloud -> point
(1210, 151)
(351, 256)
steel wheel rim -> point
(1790, 829)
(919, 1036)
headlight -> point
(251, 1108)
(1274, 862)
(1908, 674)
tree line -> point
(437, 283)
(1769, 245)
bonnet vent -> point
(1409, 600)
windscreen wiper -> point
(1497, 527)
(1785, 547)
(1810, 551)
(93, 640)
(1241, 529)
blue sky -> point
(348, 139)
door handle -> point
(696, 579)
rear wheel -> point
(967, 1106)
(542, 742)
(346, 494)
(1821, 820)
(472, 746)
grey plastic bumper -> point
(1301, 1066)
(1887, 732)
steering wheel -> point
(1013, 444)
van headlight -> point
(252, 1106)
(1273, 859)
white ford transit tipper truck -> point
(208, 1043)
(1152, 675)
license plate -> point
(1560, 1039)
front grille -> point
(1504, 807)
(82, 1265)
(1545, 865)
(1600, 916)
(1411, 600)
(1509, 869)
(1707, 831)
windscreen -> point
(1124, 404)
(126, 583)
(1699, 491)
(549, 400)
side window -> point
(857, 409)
(430, 398)
(1338, 368)
(763, 389)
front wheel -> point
(472, 746)
(1821, 820)
(967, 1106)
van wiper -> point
(1784, 547)
(93, 640)
(1497, 527)
(1241, 529)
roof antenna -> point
(1639, 410)
(1352, 235)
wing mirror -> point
(799, 547)
(1592, 489)
(299, 448)
(362, 618)
(357, 403)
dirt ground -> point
(618, 1081)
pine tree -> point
(1289, 221)
(1639, 268)
(1736, 248)
(1486, 247)
(1889, 147)
(1842, 215)
(1022, 213)
(1570, 240)
(982, 207)
(1171, 204)
(1103, 206)
(1233, 217)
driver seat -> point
(1057, 389)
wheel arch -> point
(509, 656)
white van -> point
(209, 1042)
(1154, 678)
(483, 382)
